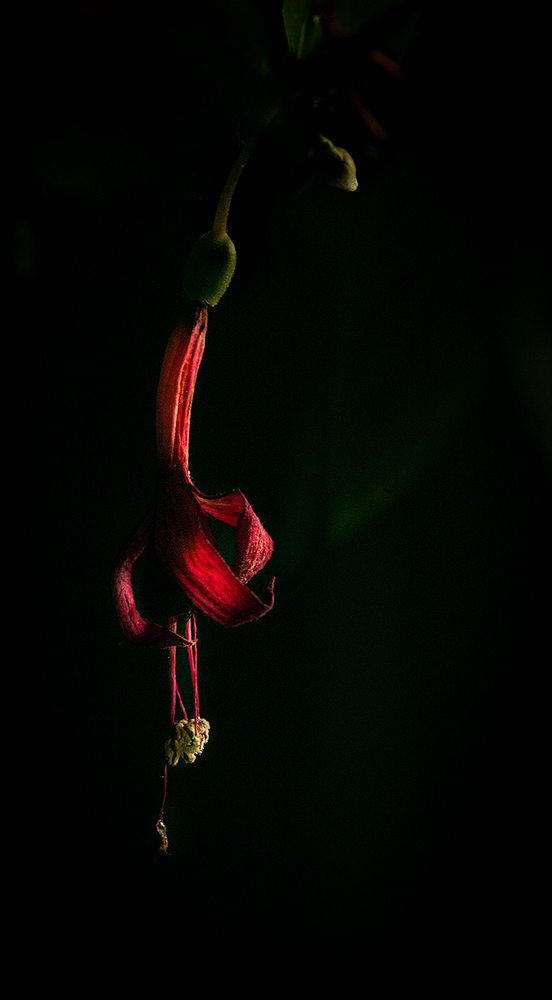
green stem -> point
(223, 208)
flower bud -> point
(209, 268)
(337, 166)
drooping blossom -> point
(178, 523)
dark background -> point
(376, 382)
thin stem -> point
(223, 208)
(191, 634)
(181, 703)
(172, 674)
(160, 826)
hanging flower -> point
(178, 524)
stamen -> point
(160, 826)
(191, 634)
(187, 739)
(183, 710)
(162, 831)
(187, 742)
(172, 674)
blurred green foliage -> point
(303, 31)
(303, 20)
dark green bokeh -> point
(374, 774)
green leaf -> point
(303, 29)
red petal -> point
(253, 544)
(185, 549)
(134, 627)
(176, 388)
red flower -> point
(179, 521)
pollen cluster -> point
(188, 739)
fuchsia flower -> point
(178, 523)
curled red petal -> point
(134, 627)
(186, 548)
(253, 543)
